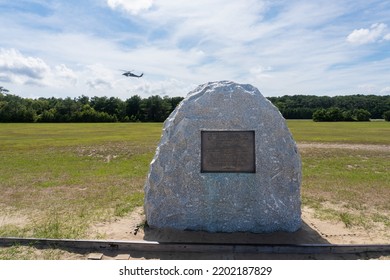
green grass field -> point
(348, 184)
(340, 132)
(58, 179)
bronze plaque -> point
(228, 151)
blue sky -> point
(73, 48)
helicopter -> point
(131, 74)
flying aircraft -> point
(131, 74)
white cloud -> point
(169, 87)
(131, 6)
(385, 90)
(261, 73)
(368, 35)
(367, 88)
(205, 22)
(98, 77)
(387, 37)
(65, 73)
(18, 68)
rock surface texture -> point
(178, 195)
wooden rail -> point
(220, 248)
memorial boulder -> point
(226, 162)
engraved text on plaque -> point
(228, 151)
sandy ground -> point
(367, 147)
(313, 231)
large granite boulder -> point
(182, 192)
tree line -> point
(156, 109)
(338, 108)
(84, 109)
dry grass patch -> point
(349, 185)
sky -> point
(283, 47)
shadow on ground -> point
(305, 235)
